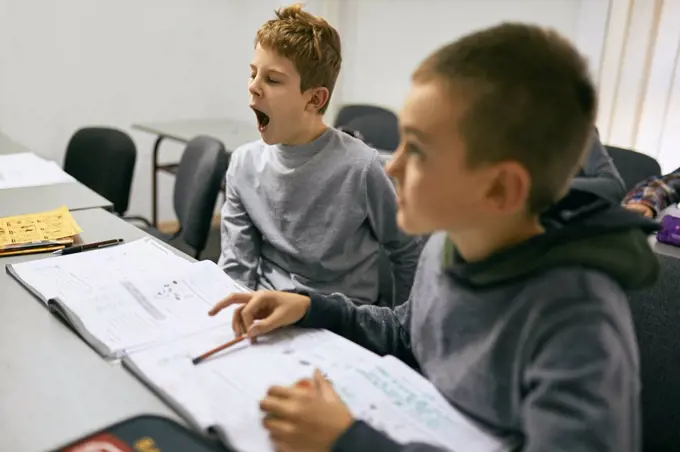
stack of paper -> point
(35, 227)
(27, 170)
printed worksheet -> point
(138, 312)
(50, 225)
(26, 169)
(84, 275)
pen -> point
(87, 246)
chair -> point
(380, 131)
(103, 159)
(350, 112)
(656, 313)
(633, 166)
(197, 183)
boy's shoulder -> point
(246, 152)
(346, 150)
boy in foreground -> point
(308, 206)
(518, 313)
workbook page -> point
(225, 390)
(84, 274)
(397, 400)
(140, 311)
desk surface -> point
(230, 132)
(17, 201)
(54, 387)
(76, 196)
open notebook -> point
(221, 394)
(128, 296)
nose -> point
(395, 167)
(254, 87)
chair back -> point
(656, 313)
(199, 176)
(380, 131)
(349, 112)
(103, 159)
(633, 166)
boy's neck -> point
(308, 134)
(480, 243)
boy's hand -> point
(640, 208)
(263, 311)
(307, 416)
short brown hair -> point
(529, 99)
(310, 42)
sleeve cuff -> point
(322, 312)
(361, 436)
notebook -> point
(221, 394)
(128, 296)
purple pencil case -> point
(670, 231)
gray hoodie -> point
(536, 342)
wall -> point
(69, 63)
(78, 62)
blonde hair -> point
(310, 42)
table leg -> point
(154, 181)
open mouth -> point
(262, 120)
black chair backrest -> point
(349, 112)
(197, 183)
(633, 166)
(656, 313)
(379, 131)
(103, 159)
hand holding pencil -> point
(263, 311)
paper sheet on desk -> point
(27, 169)
(224, 391)
(138, 312)
(397, 400)
(83, 275)
(50, 225)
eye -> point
(272, 81)
(252, 75)
(412, 149)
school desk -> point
(231, 133)
(21, 200)
(54, 387)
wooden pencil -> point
(209, 353)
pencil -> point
(209, 353)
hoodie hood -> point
(580, 230)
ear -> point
(509, 188)
(318, 97)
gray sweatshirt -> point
(535, 343)
(599, 175)
(314, 217)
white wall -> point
(386, 39)
(68, 63)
